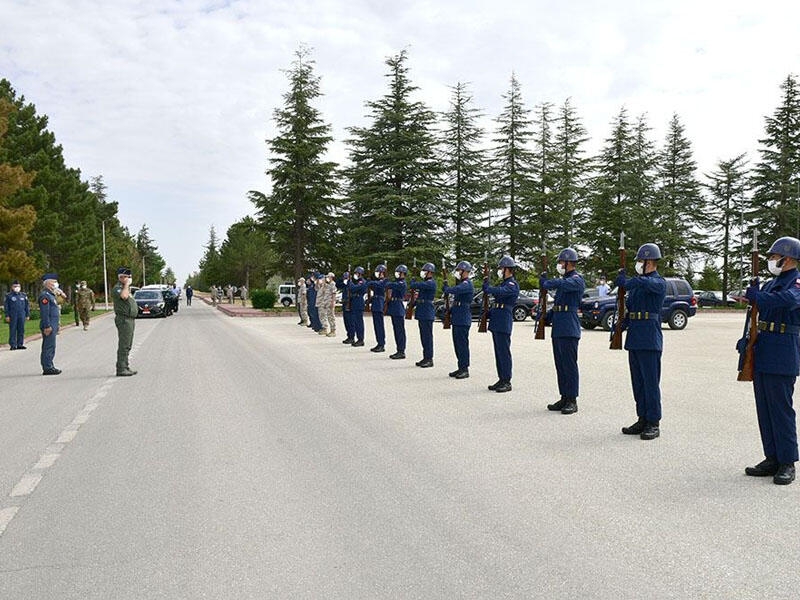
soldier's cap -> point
(47, 276)
(123, 271)
(331, 275)
(83, 282)
(15, 282)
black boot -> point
(347, 340)
(785, 474)
(377, 348)
(650, 432)
(462, 374)
(425, 363)
(358, 343)
(557, 405)
(635, 429)
(570, 406)
(454, 373)
(503, 387)
(766, 468)
(397, 355)
(495, 385)
(419, 362)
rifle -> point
(746, 362)
(386, 295)
(368, 307)
(412, 302)
(542, 320)
(446, 316)
(482, 327)
(616, 338)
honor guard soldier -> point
(17, 311)
(776, 361)
(347, 314)
(50, 318)
(125, 311)
(397, 311)
(378, 287)
(424, 312)
(461, 316)
(85, 303)
(501, 320)
(357, 288)
(644, 341)
(566, 330)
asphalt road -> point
(251, 458)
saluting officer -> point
(644, 341)
(18, 310)
(50, 318)
(566, 330)
(357, 288)
(347, 314)
(378, 287)
(424, 312)
(501, 320)
(125, 311)
(311, 293)
(461, 316)
(397, 311)
(776, 361)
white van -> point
(286, 294)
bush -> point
(263, 298)
(66, 309)
(35, 314)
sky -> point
(172, 102)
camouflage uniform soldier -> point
(322, 303)
(213, 295)
(85, 303)
(125, 311)
(330, 283)
(302, 301)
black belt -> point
(561, 308)
(777, 327)
(394, 299)
(423, 301)
(456, 304)
(641, 316)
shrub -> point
(263, 298)
(66, 309)
(35, 314)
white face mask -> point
(423, 274)
(500, 273)
(561, 269)
(55, 285)
(397, 274)
(15, 288)
(639, 267)
(774, 268)
(356, 276)
(377, 274)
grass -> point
(32, 327)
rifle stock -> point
(386, 295)
(412, 302)
(483, 326)
(616, 338)
(446, 316)
(542, 320)
(746, 372)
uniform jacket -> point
(343, 286)
(460, 312)
(357, 291)
(398, 291)
(84, 298)
(424, 307)
(569, 290)
(646, 293)
(378, 290)
(778, 302)
(50, 313)
(302, 294)
(311, 293)
(124, 308)
(501, 316)
(17, 304)
(331, 293)
(322, 293)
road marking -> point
(46, 461)
(80, 419)
(6, 515)
(26, 485)
(67, 436)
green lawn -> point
(32, 326)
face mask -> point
(423, 274)
(377, 274)
(775, 266)
(397, 274)
(561, 269)
(457, 274)
(500, 273)
(639, 267)
(356, 276)
(83, 287)
(55, 285)
(15, 288)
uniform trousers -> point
(565, 355)
(302, 307)
(645, 366)
(461, 345)
(380, 329)
(399, 328)
(426, 336)
(776, 416)
(502, 355)
(347, 317)
(330, 316)
(357, 325)
(49, 349)
(84, 314)
(125, 329)
(316, 324)
(16, 330)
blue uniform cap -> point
(359, 270)
(568, 254)
(464, 266)
(786, 246)
(401, 269)
(123, 271)
(507, 263)
(648, 252)
(49, 276)
(15, 282)
(380, 268)
(429, 267)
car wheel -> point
(608, 320)
(520, 314)
(678, 320)
(286, 302)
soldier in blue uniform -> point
(424, 312)
(501, 320)
(357, 288)
(50, 318)
(397, 311)
(566, 330)
(461, 316)
(776, 361)
(644, 341)
(378, 287)
(18, 310)
(311, 294)
(347, 313)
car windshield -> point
(147, 295)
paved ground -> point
(251, 458)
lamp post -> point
(144, 283)
(105, 267)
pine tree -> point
(536, 208)
(153, 261)
(298, 215)
(512, 165)
(728, 186)
(644, 206)
(392, 210)
(210, 270)
(776, 177)
(246, 254)
(464, 189)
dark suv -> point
(679, 304)
(522, 309)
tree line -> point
(420, 186)
(50, 218)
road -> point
(251, 458)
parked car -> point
(713, 299)
(286, 294)
(679, 304)
(151, 303)
(522, 309)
